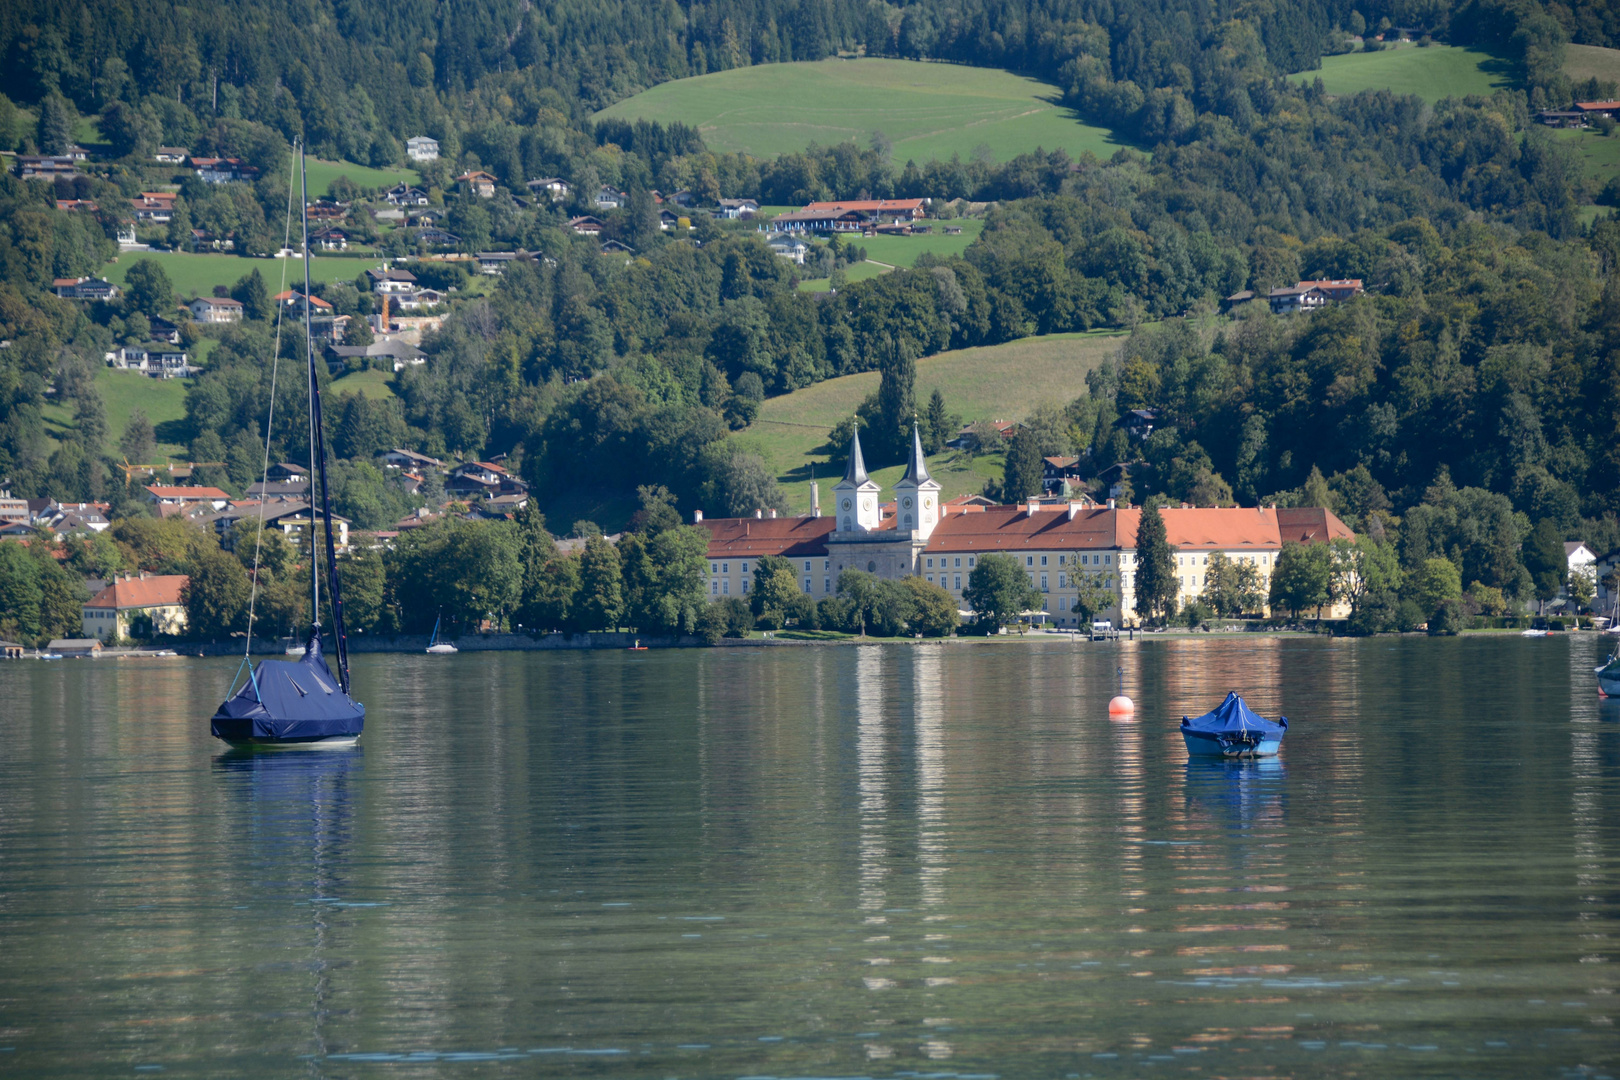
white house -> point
(554, 186)
(156, 359)
(788, 247)
(216, 309)
(422, 148)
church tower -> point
(856, 495)
(917, 493)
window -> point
(806, 584)
(714, 568)
(959, 563)
(1043, 584)
(958, 582)
(725, 568)
(725, 586)
(1061, 581)
(1029, 560)
(1063, 603)
(970, 562)
(930, 564)
(745, 587)
(1043, 560)
(871, 567)
(745, 568)
(714, 588)
(1108, 558)
(826, 584)
(930, 579)
(807, 564)
(1060, 560)
(1085, 560)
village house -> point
(483, 478)
(154, 207)
(79, 206)
(98, 289)
(216, 309)
(71, 517)
(171, 155)
(609, 198)
(330, 239)
(74, 648)
(668, 219)
(212, 170)
(36, 167)
(421, 148)
(616, 247)
(10, 650)
(292, 298)
(586, 225)
(554, 186)
(787, 246)
(496, 262)
(168, 499)
(1310, 295)
(203, 240)
(384, 280)
(269, 491)
(410, 459)
(406, 195)
(481, 183)
(1060, 545)
(13, 510)
(148, 605)
(156, 359)
(737, 208)
(435, 237)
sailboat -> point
(1232, 729)
(1608, 675)
(300, 703)
(434, 644)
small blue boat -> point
(1233, 730)
(291, 702)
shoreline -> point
(417, 643)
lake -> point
(879, 861)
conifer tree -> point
(601, 588)
(1156, 584)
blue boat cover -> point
(290, 700)
(1233, 716)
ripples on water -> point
(883, 861)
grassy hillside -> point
(322, 173)
(926, 110)
(198, 274)
(1436, 72)
(1592, 62)
(997, 382)
(903, 250)
(122, 392)
(371, 384)
(1599, 154)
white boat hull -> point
(441, 650)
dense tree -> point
(1232, 589)
(1302, 578)
(998, 591)
(215, 596)
(600, 600)
(147, 289)
(1544, 557)
(1434, 584)
(1024, 468)
(1155, 568)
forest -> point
(1476, 383)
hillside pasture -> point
(1582, 62)
(927, 110)
(122, 392)
(1599, 153)
(995, 382)
(322, 173)
(196, 275)
(1433, 73)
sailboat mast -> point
(317, 444)
(314, 559)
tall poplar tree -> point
(1156, 584)
(600, 602)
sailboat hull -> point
(1608, 679)
(1202, 744)
(290, 702)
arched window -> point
(871, 568)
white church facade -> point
(1060, 544)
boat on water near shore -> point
(1608, 675)
(1232, 729)
(299, 703)
(436, 646)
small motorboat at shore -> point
(1231, 730)
(437, 647)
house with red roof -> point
(152, 603)
(187, 496)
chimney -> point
(773, 513)
(697, 517)
(1033, 506)
(759, 514)
(1074, 509)
(815, 499)
(1110, 504)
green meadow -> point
(1592, 62)
(997, 382)
(1439, 71)
(322, 173)
(372, 384)
(122, 392)
(926, 110)
(196, 275)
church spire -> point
(917, 467)
(856, 473)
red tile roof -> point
(142, 592)
(870, 206)
(1008, 527)
(1308, 524)
(753, 537)
(187, 492)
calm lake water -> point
(835, 862)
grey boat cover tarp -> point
(1233, 716)
(290, 700)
